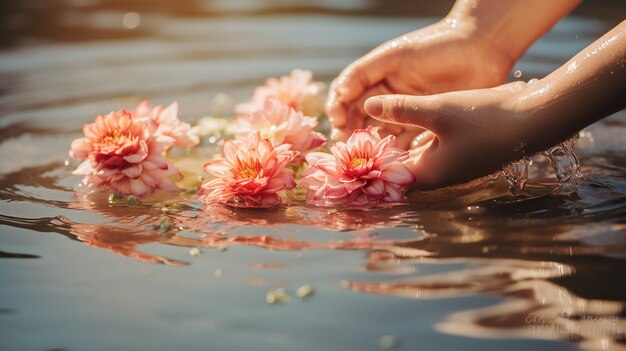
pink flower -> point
(297, 90)
(124, 153)
(168, 122)
(364, 170)
(251, 173)
(282, 124)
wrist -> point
(509, 27)
(534, 109)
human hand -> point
(470, 133)
(443, 57)
(473, 133)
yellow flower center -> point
(248, 173)
(112, 138)
(357, 162)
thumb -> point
(427, 112)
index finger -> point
(352, 82)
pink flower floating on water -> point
(297, 90)
(282, 124)
(124, 153)
(364, 170)
(250, 174)
(168, 122)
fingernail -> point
(374, 106)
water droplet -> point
(517, 175)
(564, 161)
(394, 44)
(533, 81)
(132, 200)
(452, 22)
(166, 225)
(115, 198)
(66, 163)
(131, 20)
(517, 73)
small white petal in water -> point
(278, 296)
(195, 252)
(305, 292)
(388, 342)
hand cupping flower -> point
(364, 170)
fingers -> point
(425, 163)
(357, 118)
(430, 112)
(352, 83)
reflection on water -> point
(539, 267)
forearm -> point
(590, 86)
(511, 26)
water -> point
(464, 268)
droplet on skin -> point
(532, 81)
(519, 146)
(452, 22)
(517, 73)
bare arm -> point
(511, 26)
(587, 88)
